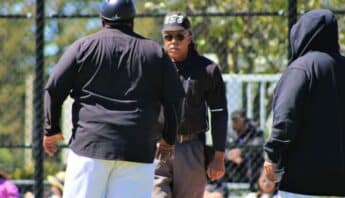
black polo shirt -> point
(205, 90)
(118, 80)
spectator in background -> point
(56, 184)
(29, 194)
(216, 189)
(266, 188)
(245, 158)
(7, 188)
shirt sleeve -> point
(216, 100)
(288, 100)
(171, 122)
(57, 89)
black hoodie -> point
(308, 135)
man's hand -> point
(216, 168)
(234, 155)
(164, 151)
(50, 143)
(270, 169)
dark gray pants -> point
(184, 176)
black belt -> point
(181, 138)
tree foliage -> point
(241, 44)
(16, 60)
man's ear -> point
(190, 36)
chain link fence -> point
(250, 45)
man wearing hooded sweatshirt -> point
(305, 152)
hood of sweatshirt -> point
(317, 30)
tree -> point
(242, 44)
(16, 60)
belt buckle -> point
(181, 139)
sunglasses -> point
(177, 37)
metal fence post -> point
(37, 148)
(292, 18)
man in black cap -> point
(118, 81)
(184, 176)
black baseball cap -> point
(175, 21)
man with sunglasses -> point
(184, 176)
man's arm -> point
(216, 100)
(171, 122)
(288, 103)
(165, 146)
(57, 89)
(173, 93)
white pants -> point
(95, 178)
(284, 194)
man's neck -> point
(182, 59)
